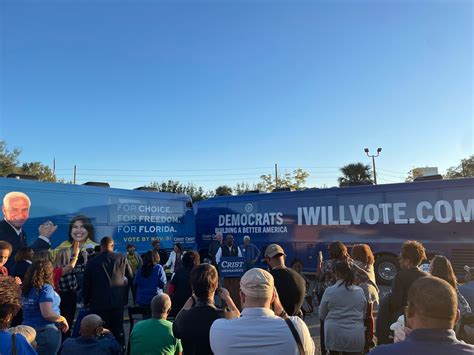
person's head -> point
(156, 256)
(155, 244)
(219, 237)
(10, 301)
(246, 240)
(63, 257)
(80, 229)
(148, 263)
(191, 259)
(257, 289)
(412, 254)
(107, 244)
(38, 274)
(178, 248)
(338, 251)
(28, 332)
(441, 267)
(344, 273)
(24, 253)
(432, 303)
(131, 249)
(5, 251)
(275, 256)
(42, 255)
(204, 280)
(16, 208)
(363, 253)
(297, 265)
(160, 306)
(92, 326)
(90, 248)
(229, 240)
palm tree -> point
(354, 174)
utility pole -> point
(74, 176)
(366, 150)
(276, 176)
(54, 166)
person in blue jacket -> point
(9, 305)
(150, 280)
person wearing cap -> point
(260, 329)
(290, 285)
(250, 252)
(430, 318)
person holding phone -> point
(193, 322)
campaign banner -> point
(232, 267)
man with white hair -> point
(260, 329)
(214, 247)
(16, 210)
(250, 252)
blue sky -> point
(218, 92)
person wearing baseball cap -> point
(290, 285)
(264, 329)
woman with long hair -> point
(180, 285)
(441, 267)
(150, 280)
(363, 257)
(10, 304)
(175, 261)
(41, 307)
(342, 309)
(81, 232)
(325, 274)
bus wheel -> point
(386, 267)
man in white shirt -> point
(259, 330)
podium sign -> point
(232, 267)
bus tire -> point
(386, 267)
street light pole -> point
(366, 150)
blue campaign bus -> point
(130, 216)
(440, 214)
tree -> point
(294, 181)
(243, 187)
(197, 193)
(223, 190)
(355, 173)
(8, 160)
(412, 175)
(43, 172)
(9, 164)
(464, 169)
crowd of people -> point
(71, 299)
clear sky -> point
(217, 92)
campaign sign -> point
(232, 267)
